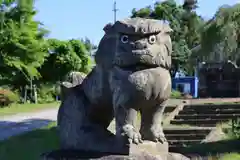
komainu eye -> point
(152, 39)
(124, 39)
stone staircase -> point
(206, 115)
(183, 137)
(168, 110)
(195, 122)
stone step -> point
(232, 146)
(175, 148)
(184, 131)
(198, 122)
(185, 136)
(212, 106)
(180, 145)
(169, 109)
(207, 116)
(222, 111)
(184, 143)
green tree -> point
(64, 57)
(192, 25)
(27, 57)
(190, 5)
(21, 41)
(221, 35)
(88, 44)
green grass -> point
(214, 148)
(230, 156)
(22, 108)
(31, 145)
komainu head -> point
(136, 44)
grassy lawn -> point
(29, 146)
(230, 156)
(21, 108)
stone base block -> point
(149, 147)
(81, 155)
(146, 151)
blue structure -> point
(185, 84)
(188, 84)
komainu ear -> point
(107, 27)
(167, 28)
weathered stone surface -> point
(216, 134)
(131, 75)
(75, 78)
(59, 155)
(176, 156)
(152, 148)
(71, 80)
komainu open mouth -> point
(139, 66)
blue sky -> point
(68, 19)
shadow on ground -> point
(30, 145)
(8, 128)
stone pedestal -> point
(149, 147)
(145, 151)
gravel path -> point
(24, 122)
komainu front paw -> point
(131, 133)
(157, 134)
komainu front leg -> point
(151, 123)
(125, 124)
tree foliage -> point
(64, 57)
(221, 35)
(88, 44)
(185, 23)
(22, 40)
(27, 56)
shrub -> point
(232, 129)
(47, 93)
(235, 129)
(176, 94)
(8, 97)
